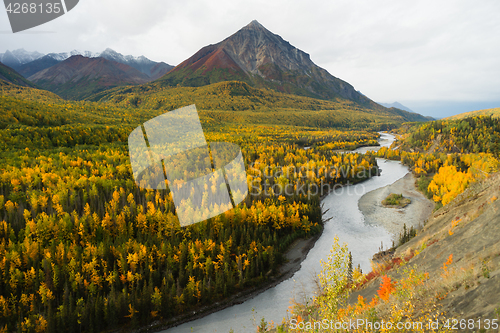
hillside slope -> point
(37, 65)
(468, 230)
(30, 63)
(237, 102)
(9, 75)
(495, 112)
(472, 134)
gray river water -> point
(346, 221)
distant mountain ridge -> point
(396, 105)
(151, 68)
(29, 63)
(15, 59)
(253, 55)
(79, 77)
(264, 60)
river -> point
(345, 221)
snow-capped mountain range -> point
(106, 54)
(18, 57)
(29, 63)
(65, 55)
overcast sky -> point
(436, 57)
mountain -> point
(78, 77)
(495, 113)
(159, 70)
(264, 60)
(28, 63)
(19, 57)
(49, 60)
(396, 105)
(9, 75)
(37, 65)
(264, 79)
(152, 69)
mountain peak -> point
(262, 59)
(152, 69)
(255, 25)
(111, 52)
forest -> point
(84, 249)
(447, 157)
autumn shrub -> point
(334, 280)
(386, 288)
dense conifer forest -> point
(84, 249)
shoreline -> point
(294, 256)
(393, 219)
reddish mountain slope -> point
(78, 77)
(259, 57)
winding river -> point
(345, 221)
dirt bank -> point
(465, 234)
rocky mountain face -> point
(78, 77)
(30, 68)
(263, 59)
